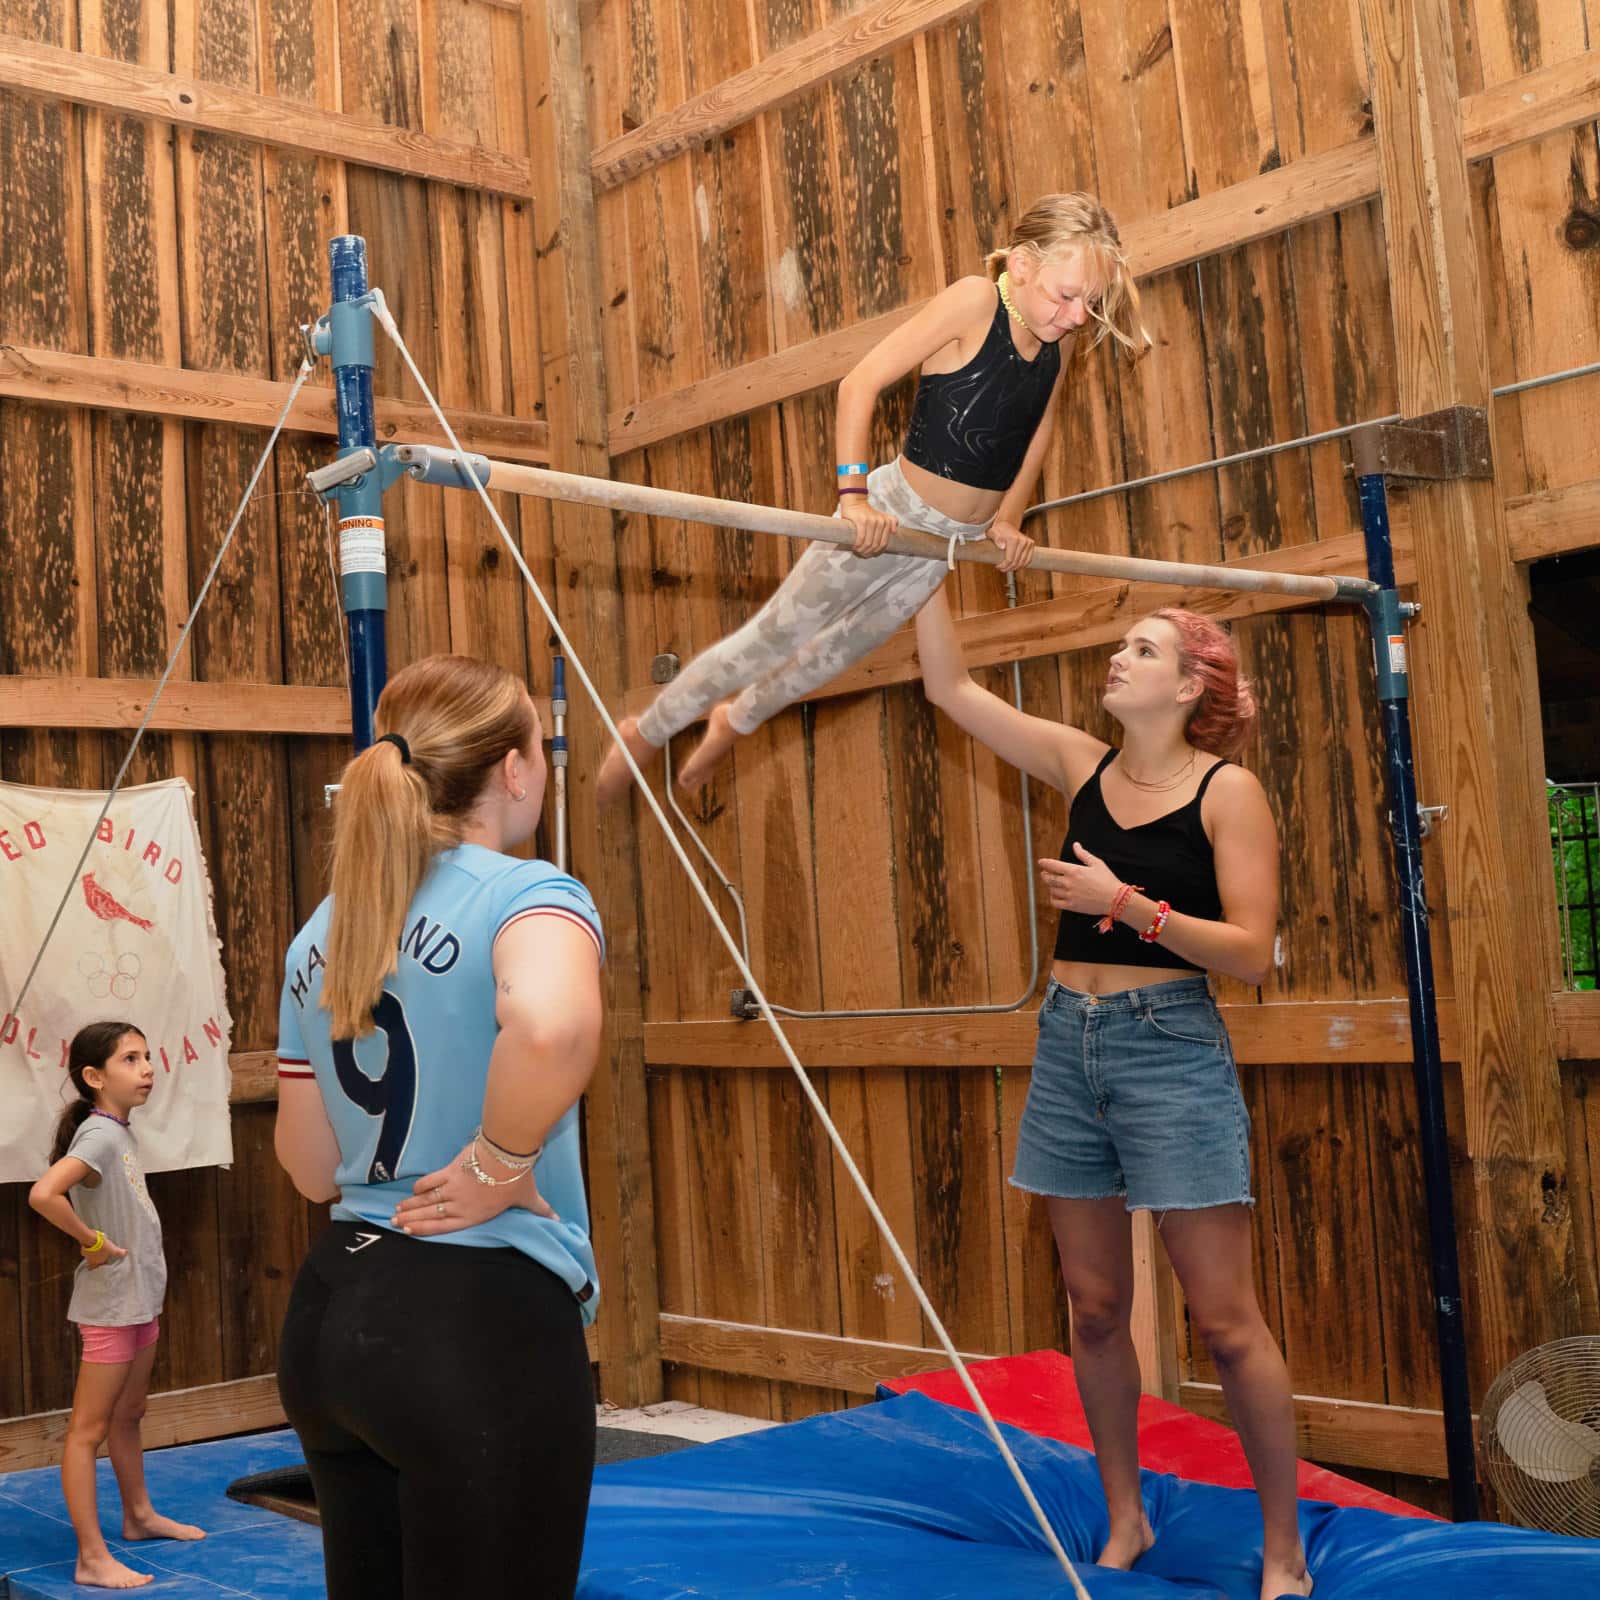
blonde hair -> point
(1058, 223)
(459, 717)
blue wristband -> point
(847, 469)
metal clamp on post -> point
(1453, 443)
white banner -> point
(137, 942)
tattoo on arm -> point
(505, 986)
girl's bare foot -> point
(104, 1571)
(152, 1525)
(1284, 1577)
(720, 737)
(614, 774)
(1126, 1544)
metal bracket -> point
(355, 465)
(329, 790)
(1429, 816)
(742, 1004)
(663, 669)
(1453, 443)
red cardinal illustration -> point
(107, 907)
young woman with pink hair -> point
(1169, 871)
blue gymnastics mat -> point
(908, 1500)
(246, 1551)
(905, 1499)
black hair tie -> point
(399, 744)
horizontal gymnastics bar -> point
(434, 464)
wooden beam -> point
(1352, 1032)
(857, 1366)
(1554, 522)
(589, 583)
(1528, 107)
(130, 89)
(44, 702)
(1092, 616)
(58, 378)
(1008, 1041)
(1349, 1433)
(185, 707)
(1480, 747)
(783, 76)
(180, 1416)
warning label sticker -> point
(1397, 654)
(361, 544)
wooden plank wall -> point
(880, 857)
(202, 249)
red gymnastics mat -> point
(1039, 1392)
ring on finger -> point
(438, 1209)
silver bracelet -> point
(506, 1158)
(470, 1162)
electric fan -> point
(1540, 1437)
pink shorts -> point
(110, 1347)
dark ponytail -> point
(92, 1046)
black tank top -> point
(1169, 855)
(974, 425)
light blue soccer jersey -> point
(404, 1100)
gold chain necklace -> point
(1003, 284)
(1161, 785)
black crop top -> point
(974, 425)
(1169, 855)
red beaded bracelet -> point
(1119, 904)
(852, 491)
(1153, 932)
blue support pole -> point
(1387, 616)
(363, 579)
(558, 761)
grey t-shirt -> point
(123, 1293)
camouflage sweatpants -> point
(832, 609)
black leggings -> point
(443, 1397)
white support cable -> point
(15, 1008)
(380, 311)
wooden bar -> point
(185, 706)
(1528, 107)
(134, 90)
(254, 1079)
(59, 378)
(1554, 522)
(783, 76)
(1355, 1032)
(618, 496)
(180, 1416)
(46, 702)
(857, 1366)
(1348, 1433)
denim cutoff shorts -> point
(1135, 1094)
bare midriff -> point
(1096, 977)
(959, 501)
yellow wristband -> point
(98, 1245)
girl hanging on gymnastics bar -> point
(981, 423)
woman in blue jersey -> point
(440, 1019)
(991, 367)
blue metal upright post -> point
(1387, 616)
(362, 572)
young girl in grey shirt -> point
(117, 1291)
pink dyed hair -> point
(1224, 717)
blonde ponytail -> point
(459, 717)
